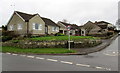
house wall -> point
(38, 20)
(50, 31)
(73, 32)
(83, 33)
(15, 20)
(95, 30)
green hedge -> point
(6, 38)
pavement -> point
(104, 60)
(105, 43)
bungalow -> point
(74, 28)
(82, 31)
(24, 24)
(100, 27)
(50, 26)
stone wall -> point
(52, 44)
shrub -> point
(9, 33)
(6, 38)
(15, 41)
(59, 34)
(110, 33)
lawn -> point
(38, 50)
(61, 38)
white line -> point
(108, 69)
(30, 56)
(66, 62)
(52, 60)
(83, 65)
(23, 55)
(40, 58)
(99, 67)
(8, 53)
(110, 55)
(15, 54)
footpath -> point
(105, 43)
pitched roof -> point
(49, 22)
(102, 24)
(73, 26)
(25, 16)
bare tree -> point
(64, 20)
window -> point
(11, 27)
(37, 26)
(55, 29)
(19, 26)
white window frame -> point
(19, 26)
(57, 28)
(11, 27)
(53, 28)
(39, 26)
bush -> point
(59, 34)
(15, 41)
(9, 33)
(6, 38)
(110, 33)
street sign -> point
(68, 27)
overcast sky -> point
(75, 11)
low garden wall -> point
(52, 44)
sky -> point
(74, 11)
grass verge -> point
(37, 50)
(61, 38)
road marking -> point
(108, 69)
(103, 68)
(30, 56)
(110, 54)
(99, 67)
(83, 65)
(66, 62)
(114, 52)
(23, 55)
(15, 54)
(52, 60)
(8, 53)
(40, 58)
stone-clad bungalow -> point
(50, 26)
(100, 27)
(24, 24)
(74, 28)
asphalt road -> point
(105, 60)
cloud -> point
(75, 11)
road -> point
(105, 60)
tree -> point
(64, 20)
(4, 28)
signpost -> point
(68, 28)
